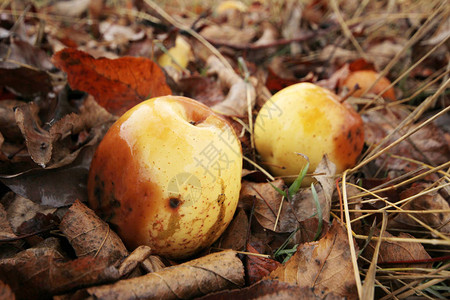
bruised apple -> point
(167, 175)
(308, 119)
(364, 79)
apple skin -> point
(308, 119)
(152, 180)
(365, 79)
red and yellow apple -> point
(167, 174)
(308, 119)
(365, 79)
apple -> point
(167, 174)
(308, 119)
(365, 79)
(178, 56)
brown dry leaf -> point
(136, 257)
(235, 235)
(431, 201)
(44, 272)
(211, 273)
(90, 236)
(116, 84)
(202, 89)
(425, 145)
(269, 290)
(22, 210)
(225, 34)
(324, 266)
(241, 94)
(267, 203)
(8, 126)
(55, 148)
(23, 69)
(258, 267)
(393, 251)
(152, 264)
(6, 231)
(52, 187)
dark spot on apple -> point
(349, 135)
(174, 202)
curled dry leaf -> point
(214, 272)
(116, 84)
(226, 34)
(45, 272)
(240, 92)
(324, 266)
(8, 126)
(267, 203)
(90, 236)
(55, 148)
(397, 251)
(136, 257)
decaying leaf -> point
(53, 148)
(116, 84)
(45, 272)
(214, 272)
(431, 201)
(53, 187)
(235, 235)
(397, 251)
(6, 231)
(258, 267)
(241, 94)
(21, 210)
(136, 257)
(267, 203)
(324, 266)
(23, 69)
(425, 145)
(90, 236)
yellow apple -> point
(308, 119)
(167, 175)
(178, 56)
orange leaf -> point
(116, 84)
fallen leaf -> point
(6, 231)
(241, 94)
(425, 145)
(324, 266)
(397, 251)
(235, 235)
(45, 272)
(90, 236)
(202, 89)
(430, 201)
(136, 257)
(267, 203)
(22, 210)
(23, 71)
(53, 187)
(194, 278)
(116, 84)
(258, 267)
(226, 34)
(57, 147)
